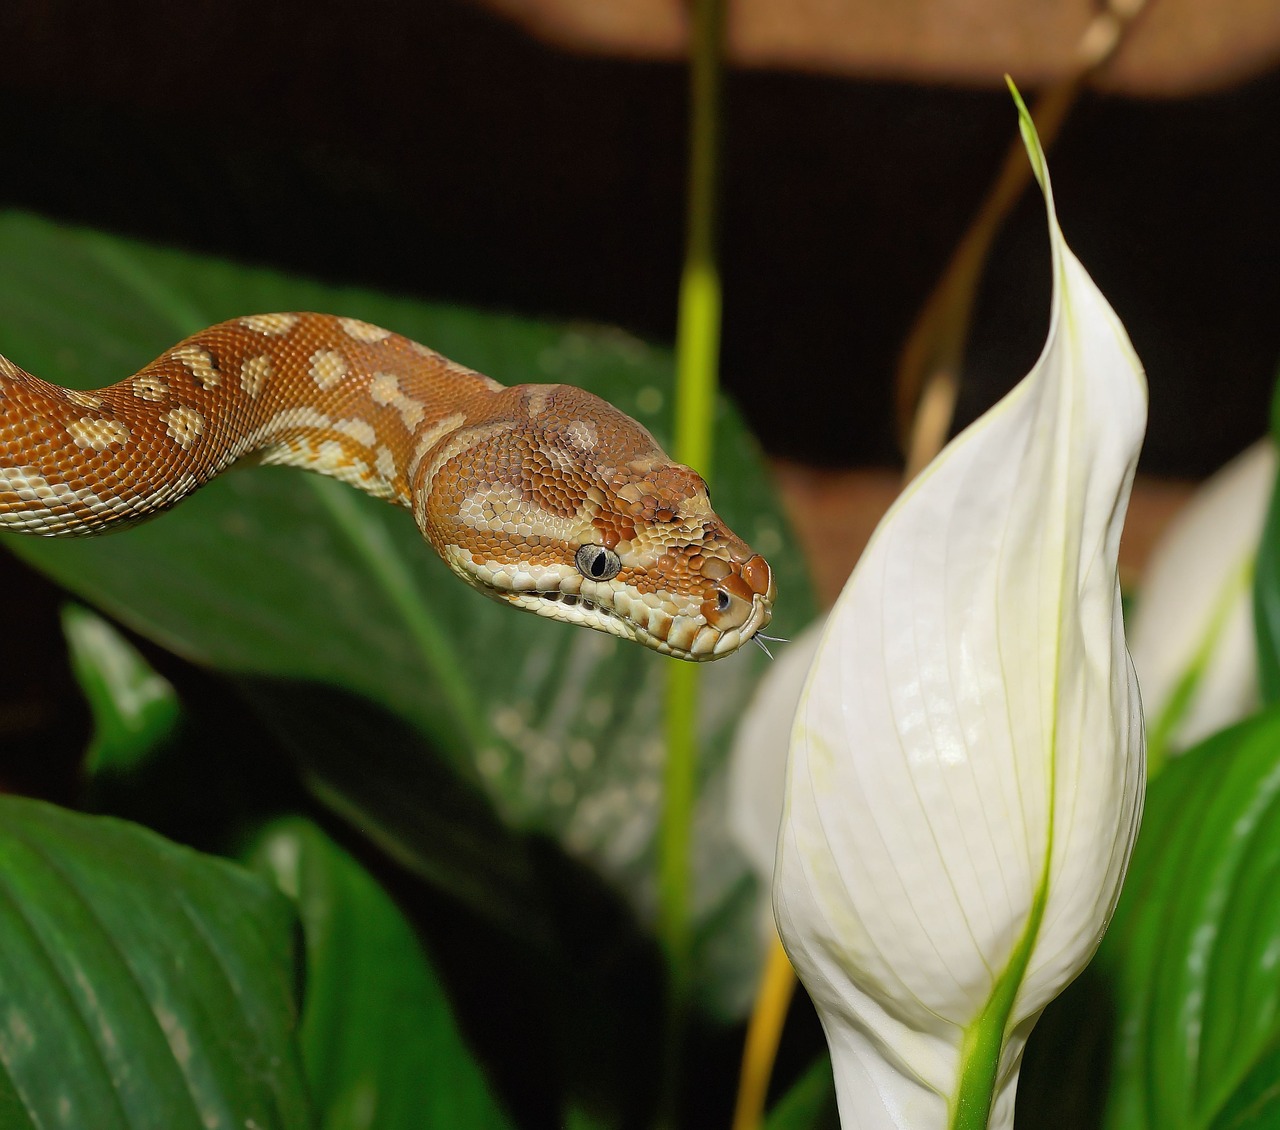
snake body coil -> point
(541, 496)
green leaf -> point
(379, 1041)
(1266, 603)
(1255, 1102)
(319, 598)
(1190, 957)
(810, 1104)
(134, 708)
(143, 984)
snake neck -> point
(368, 410)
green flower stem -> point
(698, 325)
(679, 796)
(985, 1039)
(697, 361)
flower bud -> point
(966, 768)
(1192, 634)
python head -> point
(557, 503)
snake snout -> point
(744, 590)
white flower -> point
(758, 759)
(1192, 633)
(966, 769)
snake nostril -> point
(723, 600)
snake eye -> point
(597, 562)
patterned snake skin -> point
(541, 496)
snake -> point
(542, 496)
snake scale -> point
(544, 497)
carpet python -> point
(543, 497)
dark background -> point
(432, 149)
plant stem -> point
(697, 362)
(764, 1032)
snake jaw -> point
(690, 625)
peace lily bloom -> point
(758, 757)
(966, 767)
(1192, 634)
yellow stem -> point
(777, 987)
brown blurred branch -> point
(928, 375)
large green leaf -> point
(142, 984)
(360, 649)
(1190, 960)
(1255, 1103)
(381, 1048)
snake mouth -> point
(577, 609)
(630, 617)
(678, 626)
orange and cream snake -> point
(541, 496)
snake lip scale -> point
(658, 633)
(544, 497)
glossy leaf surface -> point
(144, 985)
(379, 1040)
(1190, 957)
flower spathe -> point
(1191, 634)
(966, 767)
(758, 756)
